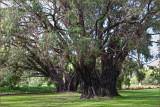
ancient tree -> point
(94, 36)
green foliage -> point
(71, 16)
(36, 81)
(10, 78)
(69, 68)
(152, 77)
(127, 82)
(49, 83)
(23, 89)
(120, 82)
(129, 68)
(36, 6)
(134, 80)
(13, 81)
(140, 76)
(9, 23)
(4, 77)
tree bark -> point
(89, 78)
(58, 82)
(109, 79)
(90, 87)
(93, 84)
(109, 76)
(71, 83)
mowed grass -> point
(133, 98)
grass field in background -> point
(7, 90)
(133, 98)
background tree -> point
(129, 68)
(31, 42)
(152, 76)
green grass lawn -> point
(133, 98)
(7, 90)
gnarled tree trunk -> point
(94, 84)
(69, 84)
(109, 79)
(72, 82)
(89, 78)
(109, 76)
